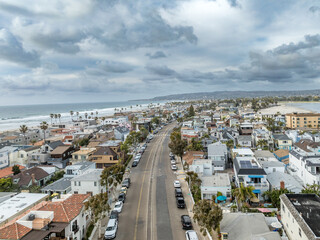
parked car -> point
(178, 192)
(176, 184)
(173, 162)
(118, 207)
(123, 190)
(191, 235)
(111, 230)
(174, 167)
(134, 164)
(186, 222)
(171, 154)
(180, 202)
(122, 197)
(126, 183)
(114, 215)
(172, 158)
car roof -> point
(180, 198)
(178, 189)
(192, 235)
(111, 223)
(119, 202)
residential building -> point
(121, 133)
(236, 226)
(7, 172)
(303, 120)
(249, 172)
(104, 157)
(78, 168)
(282, 155)
(23, 155)
(202, 167)
(282, 141)
(305, 165)
(18, 204)
(278, 180)
(49, 146)
(261, 135)
(241, 152)
(246, 128)
(300, 216)
(82, 155)
(32, 176)
(218, 154)
(308, 146)
(88, 183)
(211, 185)
(190, 156)
(244, 141)
(272, 166)
(60, 156)
(5, 154)
(264, 155)
(61, 186)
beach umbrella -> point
(221, 198)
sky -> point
(57, 51)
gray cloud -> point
(156, 55)
(12, 50)
(162, 70)
(314, 9)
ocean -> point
(12, 117)
(311, 106)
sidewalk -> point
(181, 176)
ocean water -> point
(11, 117)
(311, 106)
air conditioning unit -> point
(31, 217)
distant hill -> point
(235, 94)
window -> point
(95, 184)
(283, 208)
(79, 183)
(75, 192)
(300, 232)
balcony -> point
(257, 185)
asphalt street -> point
(150, 210)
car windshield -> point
(180, 201)
(110, 228)
(118, 205)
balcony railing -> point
(259, 185)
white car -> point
(111, 230)
(173, 162)
(176, 184)
(191, 235)
(174, 167)
(118, 206)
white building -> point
(218, 154)
(272, 166)
(250, 173)
(202, 167)
(78, 168)
(88, 182)
(211, 185)
(300, 216)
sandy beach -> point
(283, 108)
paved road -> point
(150, 211)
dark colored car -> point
(172, 158)
(186, 222)
(148, 140)
(114, 215)
(122, 197)
(180, 202)
(178, 192)
(126, 183)
(134, 164)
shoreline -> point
(284, 108)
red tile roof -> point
(14, 231)
(6, 172)
(65, 211)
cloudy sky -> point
(56, 51)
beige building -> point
(303, 120)
(82, 155)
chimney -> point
(282, 185)
(33, 179)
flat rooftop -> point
(217, 180)
(18, 203)
(308, 205)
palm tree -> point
(44, 127)
(71, 114)
(86, 115)
(56, 117)
(23, 129)
(242, 193)
(97, 113)
(59, 116)
(91, 114)
(103, 118)
(51, 116)
(77, 116)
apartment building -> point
(303, 120)
(300, 216)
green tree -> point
(274, 196)
(155, 120)
(195, 145)
(15, 169)
(230, 143)
(243, 194)
(98, 207)
(144, 134)
(5, 184)
(208, 215)
(177, 145)
(71, 114)
(44, 127)
(24, 129)
(112, 176)
(314, 188)
(191, 112)
(194, 184)
(262, 143)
